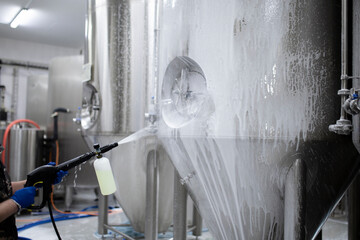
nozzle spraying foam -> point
(145, 132)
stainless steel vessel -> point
(262, 164)
(115, 99)
(66, 75)
(25, 151)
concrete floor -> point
(86, 228)
(335, 228)
(81, 228)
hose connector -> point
(97, 150)
(350, 105)
(342, 127)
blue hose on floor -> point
(60, 217)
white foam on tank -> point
(232, 176)
(265, 105)
(142, 133)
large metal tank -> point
(66, 75)
(262, 155)
(115, 99)
(25, 147)
(37, 99)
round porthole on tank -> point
(90, 106)
(184, 94)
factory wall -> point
(23, 51)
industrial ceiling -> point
(53, 22)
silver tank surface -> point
(115, 95)
(25, 151)
(65, 87)
(269, 76)
(115, 99)
(37, 99)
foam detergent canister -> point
(105, 176)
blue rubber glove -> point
(59, 175)
(24, 197)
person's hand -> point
(24, 197)
(59, 175)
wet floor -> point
(80, 227)
(335, 228)
(86, 227)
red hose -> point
(8, 130)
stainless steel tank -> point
(115, 99)
(261, 160)
(25, 147)
(66, 75)
(37, 99)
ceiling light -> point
(19, 18)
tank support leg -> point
(354, 210)
(295, 201)
(197, 222)
(69, 194)
(152, 197)
(103, 214)
(180, 202)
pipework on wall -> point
(343, 126)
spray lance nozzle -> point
(45, 175)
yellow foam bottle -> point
(105, 176)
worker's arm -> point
(7, 208)
(22, 198)
(17, 185)
(20, 184)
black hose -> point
(55, 116)
(55, 136)
(56, 132)
(53, 220)
(60, 109)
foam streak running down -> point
(266, 70)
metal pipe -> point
(344, 39)
(152, 197)
(344, 53)
(103, 214)
(197, 221)
(121, 225)
(5, 62)
(343, 125)
(118, 232)
(295, 201)
(156, 51)
(190, 228)
(180, 202)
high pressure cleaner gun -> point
(45, 175)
